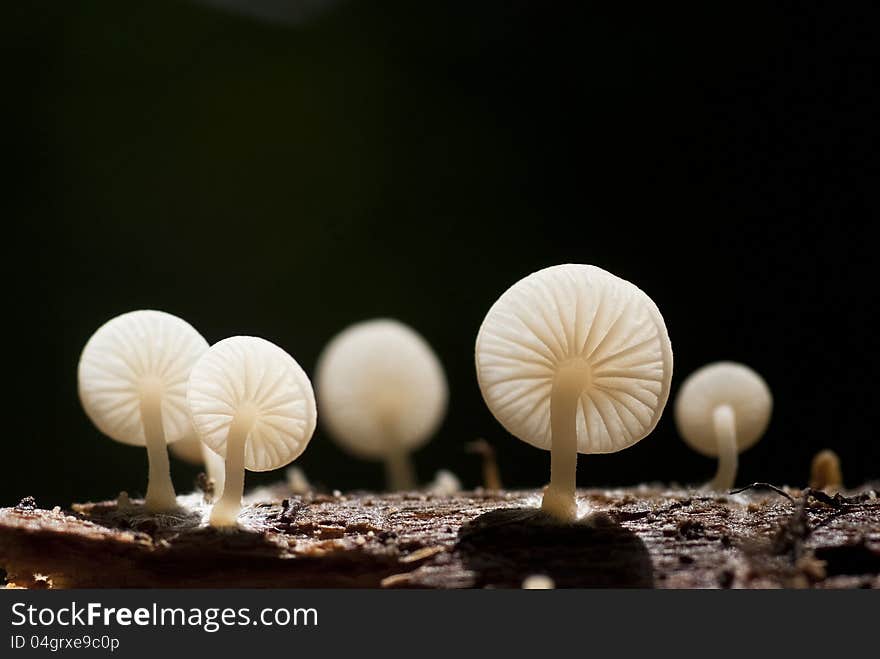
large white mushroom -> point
(252, 404)
(382, 393)
(574, 360)
(132, 383)
(721, 410)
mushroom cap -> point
(380, 387)
(248, 372)
(125, 353)
(575, 314)
(722, 383)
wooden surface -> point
(644, 537)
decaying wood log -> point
(641, 537)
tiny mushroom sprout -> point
(721, 410)
(575, 360)
(252, 404)
(825, 473)
(382, 393)
(191, 449)
(132, 383)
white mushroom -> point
(574, 360)
(252, 404)
(192, 450)
(445, 484)
(538, 582)
(297, 481)
(382, 393)
(721, 410)
(132, 383)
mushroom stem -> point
(215, 468)
(160, 490)
(559, 496)
(724, 422)
(227, 508)
(399, 471)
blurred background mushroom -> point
(825, 471)
(382, 394)
(297, 481)
(573, 359)
(132, 383)
(538, 582)
(445, 484)
(721, 410)
(491, 472)
(192, 451)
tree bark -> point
(640, 537)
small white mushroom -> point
(445, 484)
(253, 405)
(382, 393)
(538, 582)
(721, 410)
(297, 481)
(132, 383)
(192, 450)
(574, 360)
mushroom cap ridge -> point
(722, 383)
(123, 353)
(567, 313)
(378, 374)
(247, 371)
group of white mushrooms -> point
(576, 360)
(148, 378)
(571, 358)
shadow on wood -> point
(503, 547)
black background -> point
(415, 159)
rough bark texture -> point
(643, 537)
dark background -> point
(414, 159)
